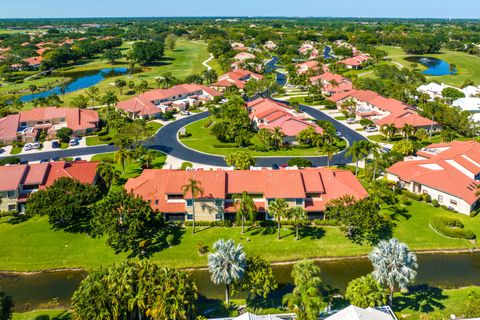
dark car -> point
(77, 159)
(44, 160)
(275, 167)
(55, 158)
(55, 144)
(23, 162)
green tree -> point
(194, 189)
(120, 84)
(129, 223)
(240, 160)
(93, 92)
(306, 300)
(171, 41)
(210, 76)
(388, 130)
(166, 80)
(300, 162)
(113, 55)
(358, 151)
(122, 156)
(393, 265)
(110, 99)
(147, 52)
(67, 203)
(421, 134)
(472, 305)
(278, 208)
(404, 147)
(258, 280)
(277, 137)
(365, 292)
(330, 150)
(80, 102)
(452, 94)
(246, 208)
(227, 264)
(452, 68)
(408, 130)
(299, 218)
(33, 88)
(64, 134)
(136, 290)
(107, 172)
(6, 306)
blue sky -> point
(165, 8)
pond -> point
(436, 67)
(81, 80)
(327, 52)
(438, 270)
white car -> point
(36, 145)
(28, 146)
(351, 120)
(73, 142)
(371, 129)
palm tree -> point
(278, 208)
(227, 264)
(121, 156)
(108, 173)
(210, 76)
(393, 265)
(246, 208)
(33, 88)
(408, 130)
(388, 130)
(93, 93)
(298, 216)
(148, 156)
(330, 150)
(194, 187)
(357, 151)
(120, 84)
(166, 80)
(277, 137)
(110, 98)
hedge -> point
(451, 227)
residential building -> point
(19, 181)
(237, 78)
(237, 46)
(310, 189)
(356, 313)
(307, 66)
(242, 56)
(26, 125)
(308, 48)
(355, 62)
(470, 104)
(332, 83)
(154, 103)
(269, 114)
(434, 90)
(251, 316)
(34, 62)
(270, 45)
(383, 111)
(448, 172)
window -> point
(175, 196)
(219, 203)
(453, 202)
(440, 198)
(218, 217)
(11, 194)
(299, 202)
(156, 201)
(189, 216)
(12, 207)
(189, 203)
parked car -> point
(275, 167)
(339, 134)
(77, 159)
(73, 142)
(28, 146)
(55, 144)
(351, 120)
(36, 145)
(56, 158)
(44, 160)
(23, 162)
(371, 129)
(185, 113)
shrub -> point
(104, 138)
(435, 203)
(186, 165)
(202, 248)
(170, 240)
(474, 213)
(365, 122)
(9, 160)
(300, 162)
(224, 223)
(326, 222)
(451, 227)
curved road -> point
(166, 141)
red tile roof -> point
(11, 176)
(449, 167)
(9, 126)
(83, 171)
(356, 60)
(237, 78)
(76, 119)
(154, 185)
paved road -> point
(166, 141)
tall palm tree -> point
(194, 187)
(227, 264)
(393, 265)
(110, 98)
(330, 150)
(277, 136)
(148, 156)
(120, 84)
(210, 76)
(245, 208)
(166, 80)
(93, 93)
(33, 88)
(121, 156)
(388, 130)
(357, 152)
(278, 208)
(408, 130)
(107, 173)
(298, 216)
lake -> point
(438, 270)
(81, 80)
(435, 67)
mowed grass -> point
(52, 314)
(33, 245)
(468, 66)
(200, 139)
(96, 140)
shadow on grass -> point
(213, 308)
(159, 240)
(65, 315)
(17, 219)
(313, 233)
(264, 231)
(421, 298)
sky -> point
(291, 8)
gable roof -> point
(356, 313)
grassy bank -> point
(200, 139)
(468, 66)
(32, 245)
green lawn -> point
(32, 245)
(43, 315)
(468, 65)
(96, 140)
(200, 139)
(16, 150)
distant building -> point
(154, 103)
(356, 313)
(471, 105)
(250, 316)
(310, 189)
(242, 56)
(355, 62)
(269, 114)
(270, 45)
(237, 78)
(26, 125)
(434, 90)
(332, 83)
(305, 67)
(19, 181)
(448, 172)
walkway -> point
(205, 63)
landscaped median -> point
(32, 245)
(200, 139)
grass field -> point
(200, 139)
(32, 245)
(95, 140)
(468, 65)
(53, 314)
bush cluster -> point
(451, 227)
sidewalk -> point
(175, 163)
